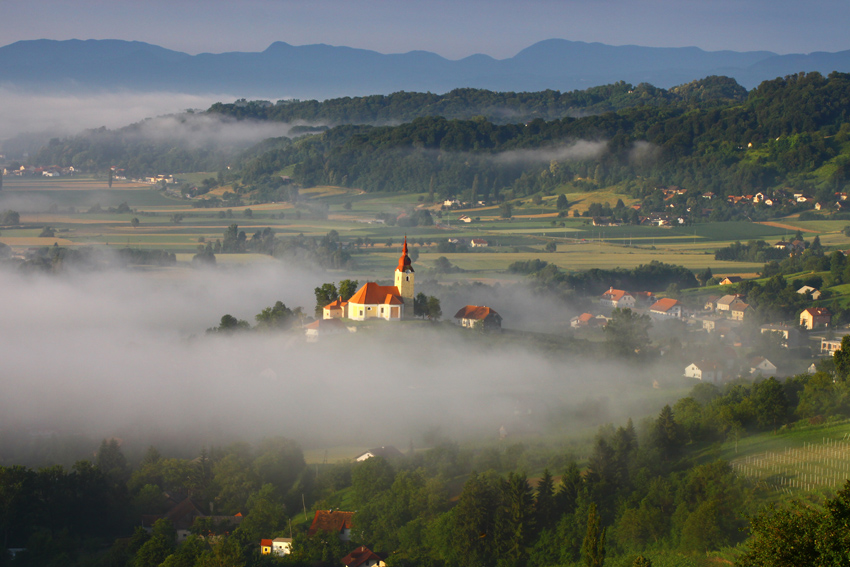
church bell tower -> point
(404, 279)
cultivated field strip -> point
(810, 467)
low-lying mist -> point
(124, 354)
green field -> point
(63, 204)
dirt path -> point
(787, 226)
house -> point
(335, 310)
(387, 452)
(815, 318)
(728, 280)
(761, 365)
(332, 521)
(809, 290)
(265, 546)
(478, 243)
(470, 315)
(705, 371)
(617, 298)
(725, 302)
(363, 557)
(789, 334)
(644, 298)
(711, 302)
(709, 324)
(829, 346)
(183, 515)
(385, 301)
(666, 307)
(282, 546)
(738, 310)
(324, 327)
(583, 320)
(464, 218)
(782, 245)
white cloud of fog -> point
(23, 112)
(579, 150)
(110, 354)
(644, 153)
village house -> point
(790, 335)
(815, 318)
(363, 557)
(729, 280)
(829, 346)
(386, 452)
(478, 243)
(666, 307)
(332, 521)
(584, 320)
(470, 316)
(739, 310)
(280, 546)
(761, 365)
(265, 546)
(335, 309)
(705, 371)
(182, 516)
(617, 298)
(724, 304)
(809, 290)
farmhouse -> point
(738, 310)
(666, 307)
(725, 302)
(617, 298)
(387, 452)
(731, 280)
(362, 557)
(809, 290)
(333, 521)
(478, 243)
(761, 365)
(470, 315)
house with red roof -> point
(815, 318)
(335, 309)
(363, 557)
(617, 298)
(667, 307)
(471, 315)
(332, 521)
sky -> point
(451, 28)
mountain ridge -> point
(324, 71)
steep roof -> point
(330, 521)
(360, 556)
(728, 299)
(475, 312)
(374, 294)
(615, 294)
(404, 261)
(337, 303)
(265, 543)
(664, 305)
(817, 311)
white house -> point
(617, 298)
(761, 365)
(705, 371)
(666, 307)
(282, 546)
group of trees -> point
(278, 317)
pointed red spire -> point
(404, 261)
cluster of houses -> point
(723, 316)
(33, 171)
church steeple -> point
(404, 281)
(404, 261)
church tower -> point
(404, 280)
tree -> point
(842, 359)
(248, 213)
(135, 222)
(325, 294)
(111, 461)
(517, 521)
(771, 403)
(506, 210)
(628, 332)
(278, 316)
(109, 179)
(347, 288)
(434, 310)
(10, 217)
(561, 203)
(667, 434)
(176, 218)
(551, 246)
(420, 305)
(593, 548)
(230, 324)
(544, 504)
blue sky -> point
(453, 29)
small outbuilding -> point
(473, 315)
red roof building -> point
(362, 557)
(333, 521)
(470, 315)
(667, 307)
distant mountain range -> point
(324, 71)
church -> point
(379, 301)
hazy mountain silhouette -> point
(322, 71)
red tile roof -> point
(475, 312)
(360, 556)
(817, 311)
(338, 303)
(265, 543)
(330, 521)
(664, 305)
(374, 294)
(585, 317)
(614, 294)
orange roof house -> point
(383, 301)
(470, 315)
(335, 309)
(333, 521)
(265, 546)
(617, 298)
(667, 307)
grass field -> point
(63, 204)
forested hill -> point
(497, 107)
(792, 130)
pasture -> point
(79, 210)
